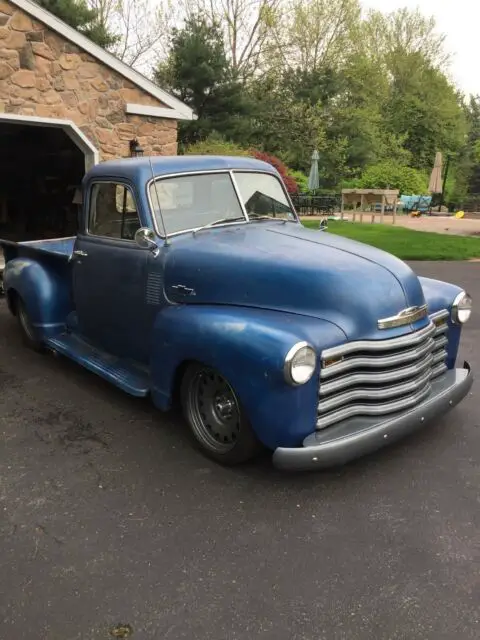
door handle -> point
(78, 252)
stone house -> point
(66, 104)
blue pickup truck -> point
(191, 279)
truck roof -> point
(139, 168)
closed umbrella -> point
(435, 184)
(313, 179)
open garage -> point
(41, 168)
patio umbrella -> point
(435, 184)
(313, 179)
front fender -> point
(248, 346)
(440, 295)
(44, 291)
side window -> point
(113, 212)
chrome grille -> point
(375, 377)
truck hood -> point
(286, 267)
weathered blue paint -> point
(257, 289)
(43, 281)
(249, 347)
(285, 267)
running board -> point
(121, 373)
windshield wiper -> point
(257, 216)
(220, 221)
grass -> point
(405, 243)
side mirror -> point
(145, 238)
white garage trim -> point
(90, 152)
(155, 112)
(103, 56)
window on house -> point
(113, 212)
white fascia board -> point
(157, 112)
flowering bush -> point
(290, 184)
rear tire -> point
(29, 334)
(216, 419)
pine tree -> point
(81, 17)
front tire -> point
(29, 335)
(215, 417)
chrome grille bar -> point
(375, 377)
(380, 345)
(379, 361)
(374, 409)
(375, 394)
(382, 377)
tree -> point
(198, 72)
(282, 124)
(144, 28)
(464, 173)
(80, 16)
(315, 34)
(425, 109)
(387, 37)
(421, 110)
(246, 26)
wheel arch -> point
(248, 347)
(44, 289)
(12, 296)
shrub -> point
(215, 146)
(301, 179)
(394, 176)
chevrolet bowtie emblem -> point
(406, 316)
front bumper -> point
(359, 436)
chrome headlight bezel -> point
(462, 308)
(296, 352)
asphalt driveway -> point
(109, 517)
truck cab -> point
(192, 277)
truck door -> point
(109, 274)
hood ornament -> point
(407, 316)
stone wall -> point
(41, 74)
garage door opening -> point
(41, 167)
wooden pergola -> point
(360, 199)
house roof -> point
(176, 109)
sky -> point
(459, 20)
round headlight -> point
(300, 363)
(461, 308)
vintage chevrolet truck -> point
(191, 279)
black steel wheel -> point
(26, 327)
(216, 418)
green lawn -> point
(405, 243)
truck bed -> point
(61, 248)
(58, 246)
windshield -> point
(189, 202)
(192, 201)
(262, 195)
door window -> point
(113, 212)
